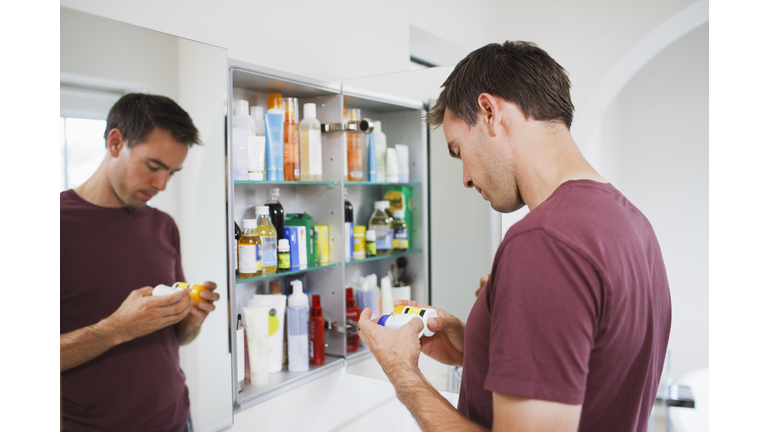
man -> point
(570, 331)
(119, 344)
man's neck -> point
(554, 160)
(97, 190)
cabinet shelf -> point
(300, 183)
(280, 382)
(288, 273)
(381, 257)
(363, 183)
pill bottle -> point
(370, 243)
(249, 250)
(358, 253)
(283, 255)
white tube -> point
(276, 327)
(392, 167)
(402, 163)
(257, 332)
(387, 303)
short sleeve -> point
(176, 242)
(544, 304)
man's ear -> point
(489, 114)
(115, 142)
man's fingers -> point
(144, 291)
(414, 325)
(209, 285)
(444, 324)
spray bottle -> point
(316, 332)
(298, 344)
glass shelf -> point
(381, 257)
(288, 273)
(300, 183)
(365, 183)
(280, 382)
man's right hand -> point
(447, 344)
(141, 313)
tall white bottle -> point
(298, 333)
(243, 127)
(311, 145)
(257, 146)
(380, 145)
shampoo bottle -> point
(311, 145)
(354, 150)
(316, 332)
(291, 140)
(298, 344)
(257, 146)
(243, 127)
(381, 152)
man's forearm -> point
(87, 343)
(430, 409)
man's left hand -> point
(205, 306)
(397, 351)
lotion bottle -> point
(311, 145)
(380, 144)
(298, 343)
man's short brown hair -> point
(519, 72)
(136, 115)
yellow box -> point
(324, 243)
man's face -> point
(485, 162)
(138, 174)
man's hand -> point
(138, 315)
(447, 344)
(483, 281)
(395, 350)
(188, 329)
(141, 313)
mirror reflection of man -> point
(570, 330)
(119, 344)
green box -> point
(305, 220)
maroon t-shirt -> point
(577, 311)
(105, 254)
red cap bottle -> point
(353, 313)
(316, 332)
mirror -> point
(451, 205)
(102, 59)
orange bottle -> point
(354, 150)
(291, 166)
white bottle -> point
(387, 304)
(298, 333)
(257, 146)
(243, 126)
(373, 285)
(380, 144)
(311, 145)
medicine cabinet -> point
(401, 121)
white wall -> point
(656, 152)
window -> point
(82, 149)
(85, 103)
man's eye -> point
(153, 168)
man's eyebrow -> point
(162, 164)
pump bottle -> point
(298, 344)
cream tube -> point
(402, 162)
(257, 332)
(276, 305)
(392, 167)
(274, 144)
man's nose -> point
(160, 180)
(467, 179)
